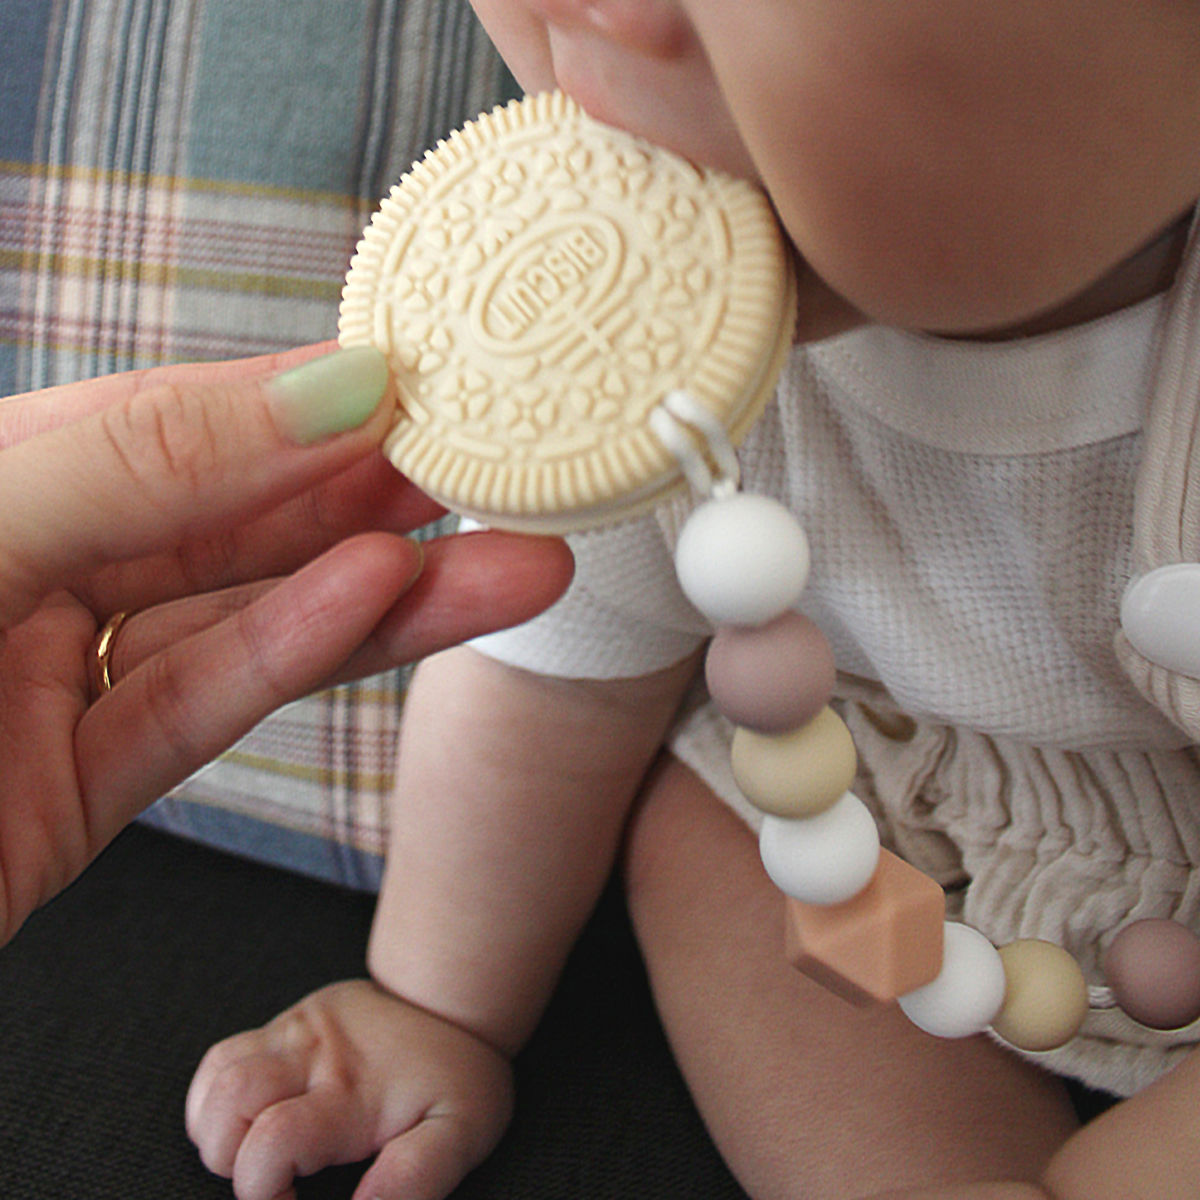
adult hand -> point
(243, 517)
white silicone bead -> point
(967, 994)
(824, 859)
(742, 559)
(1160, 614)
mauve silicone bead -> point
(1153, 968)
(771, 678)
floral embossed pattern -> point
(539, 282)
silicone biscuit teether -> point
(540, 281)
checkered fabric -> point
(185, 180)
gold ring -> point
(104, 650)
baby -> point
(990, 204)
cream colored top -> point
(970, 510)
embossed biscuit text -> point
(540, 284)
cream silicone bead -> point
(799, 773)
(1046, 996)
(825, 859)
(968, 992)
(742, 559)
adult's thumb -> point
(174, 461)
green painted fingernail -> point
(330, 394)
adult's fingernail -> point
(330, 394)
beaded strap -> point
(860, 920)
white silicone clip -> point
(677, 422)
(1160, 614)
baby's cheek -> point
(521, 37)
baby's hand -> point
(348, 1072)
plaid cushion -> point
(185, 180)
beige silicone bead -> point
(799, 773)
(1046, 996)
(539, 283)
(877, 946)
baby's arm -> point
(511, 794)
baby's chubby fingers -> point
(428, 1161)
(299, 1136)
(236, 1081)
(176, 461)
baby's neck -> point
(1147, 272)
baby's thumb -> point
(177, 461)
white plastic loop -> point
(676, 422)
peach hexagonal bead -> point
(878, 945)
(773, 677)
